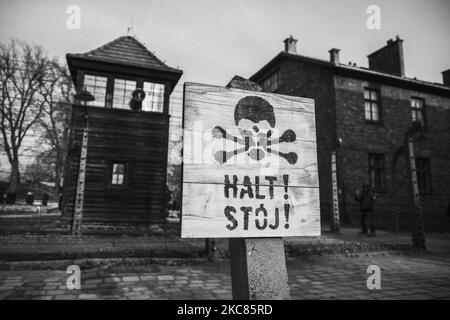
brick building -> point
(363, 115)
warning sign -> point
(249, 164)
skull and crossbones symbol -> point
(255, 120)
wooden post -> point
(258, 269)
(335, 223)
(210, 249)
(79, 197)
(258, 265)
(419, 233)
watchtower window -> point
(154, 97)
(118, 174)
(96, 85)
(123, 91)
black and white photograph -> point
(224, 155)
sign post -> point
(250, 174)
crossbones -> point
(255, 120)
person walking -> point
(45, 200)
(366, 198)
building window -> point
(154, 97)
(272, 83)
(372, 105)
(96, 85)
(123, 92)
(423, 170)
(377, 171)
(118, 174)
(418, 110)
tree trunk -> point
(14, 177)
(58, 171)
(61, 151)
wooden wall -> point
(137, 138)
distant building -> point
(369, 110)
(127, 149)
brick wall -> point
(394, 205)
(339, 102)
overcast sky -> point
(213, 40)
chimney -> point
(446, 77)
(334, 55)
(389, 59)
(290, 45)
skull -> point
(255, 120)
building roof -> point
(125, 50)
(124, 55)
(357, 72)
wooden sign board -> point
(249, 164)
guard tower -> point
(127, 138)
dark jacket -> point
(366, 200)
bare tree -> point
(24, 70)
(56, 117)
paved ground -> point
(425, 276)
(14, 247)
(332, 266)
